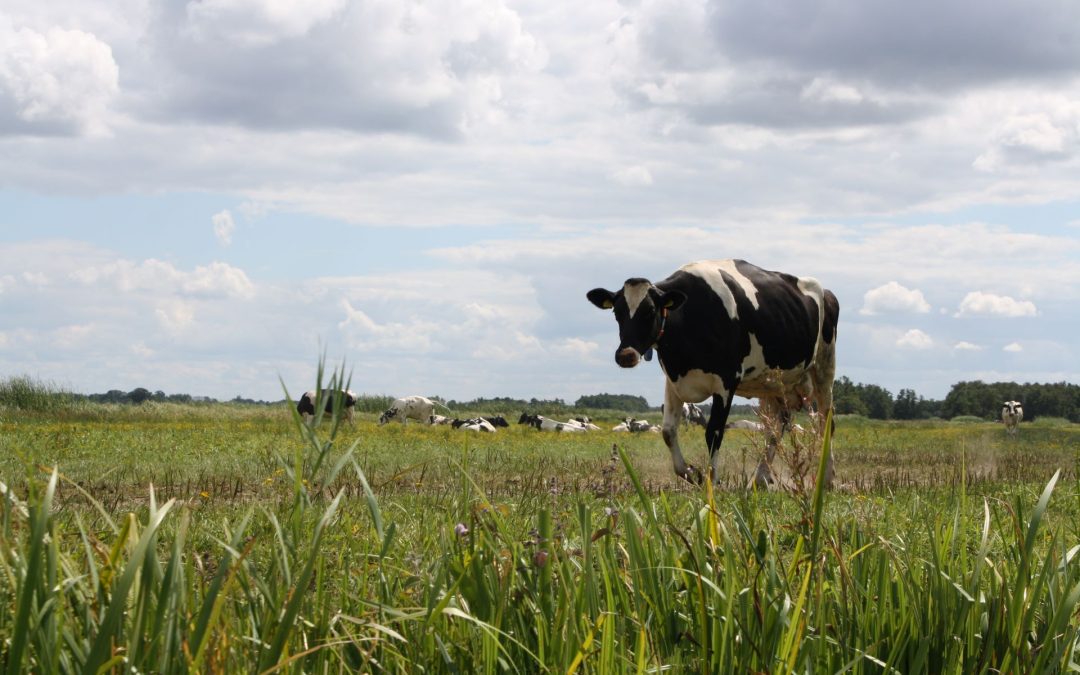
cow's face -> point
(388, 415)
(639, 309)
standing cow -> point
(1011, 414)
(306, 405)
(409, 407)
(726, 327)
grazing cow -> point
(726, 327)
(693, 415)
(1011, 415)
(409, 407)
(306, 405)
(544, 424)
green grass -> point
(264, 546)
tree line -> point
(975, 398)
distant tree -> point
(906, 406)
(139, 395)
(627, 402)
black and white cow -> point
(497, 421)
(726, 327)
(473, 424)
(544, 424)
(306, 405)
(1011, 414)
(409, 407)
(693, 415)
(635, 426)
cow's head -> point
(639, 308)
(390, 414)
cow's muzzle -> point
(627, 357)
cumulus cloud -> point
(915, 339)
(893, 298)
(224, 225)
(55, 82)
(978, 303)
(964, 346)
(156, 276)
(1013, 347)
(428, 69)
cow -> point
(497, 421)
(473, 424)
(409, 407)
(584, 422)
(749, 425)
(436, 420)
(544, 424)
(693, 415)
(635, 426)
(1011, 414)
(306, 405)
(727, 327)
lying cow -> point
(436, 420)
(635, 426)
(473, 424)
(306, 405)
(497, 421)
(410, 407)
(1011, 414)
(583, 422)
(726, 327)
(544, 424)
(749, 425)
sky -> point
(204, 196)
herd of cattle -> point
(720, 328)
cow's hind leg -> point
(776, 418)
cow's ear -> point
(602, 298)
(672, 299)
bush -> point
(25, 393)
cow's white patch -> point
(755, 360)
(744, 282)
(709, 271)
(635, 294)
(697, 385)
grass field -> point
(262, 547)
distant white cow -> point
(409, 407)
(1011, 414)
(583, 422)
(636, 426)
(749, 425)
(436, 420)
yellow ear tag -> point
(608, 304)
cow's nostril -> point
(627, 358)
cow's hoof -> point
(692, 475)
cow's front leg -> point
(714, 430)
(672, 417)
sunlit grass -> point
(267, 545)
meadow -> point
(231, 538)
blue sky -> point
(203, 195)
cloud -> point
(224, 225)
(978, 303)
(964, 346)
(893, 298)
(633, 176)
(428, 69)
(1013, 347)
(55, 82)
(156, 276)
(915, 339)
